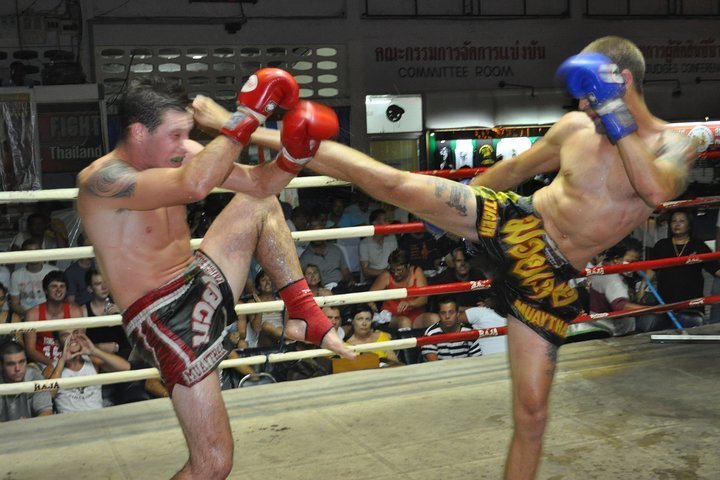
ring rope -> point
(71, 253)
(145, 373)
(259, 307)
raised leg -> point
(532, 364)
(204, 422)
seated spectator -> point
(47, 233)
(265, 329)
(80, 357)
(110, 339)
(26, 283)
(333, 314)
(15, 369)
(315, 281)
(481, 318)
(5, 280)
(360, 208)
(461, 271)
(76, 272)
(7, 316)
(407, 312)
(421, 247)
(338, 218)
(449, 323)
(328, 257)
(611, 292)
(297, 222)
(362, 332)
(683, 282)
(42, 347)
(374, 251)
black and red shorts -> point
(529, 273)
(181, 325)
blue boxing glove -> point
(595, 77)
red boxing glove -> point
(262, 93)
(304, 127)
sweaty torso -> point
(591, 204)
(137, 250)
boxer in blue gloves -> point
(615, 163)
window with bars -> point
(219, 71)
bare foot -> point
(295, 329)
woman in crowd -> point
(315, 281)
(264, 329)
(362, 332)
(683, 282)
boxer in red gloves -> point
(177, 302)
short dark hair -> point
(376, 213)
(359, 308)
(445, 300)
(398, 257)
(89, 274)
(9, 348)
(54, 276)
(624, 53)
(147, 99)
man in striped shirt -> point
(449, 323)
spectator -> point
(328, 257)
(76, 272)
(337, 217)
(297, 222)
(362, 332)
(683, 282)
(333, 314)
(26, 283)
(265, 329)
(48, 234)
(8, 316)
(611, 292)
(80, 357)
(481, 318)
(374, 251)
(422, 248)
(109, 339)
(15, 369)
(461, 271)
(5, 281)
(42, 347)
(315, 281)
(449, 323)
(407, 312)
(361, 207)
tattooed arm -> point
(447, 204)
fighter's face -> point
(165, 146)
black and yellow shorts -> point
(529, 273)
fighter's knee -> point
(531, 416)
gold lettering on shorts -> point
(541, 319)
(488, 225)
(531, 268)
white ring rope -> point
(72, 253)
(145, 373)
(67, 194)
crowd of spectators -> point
(45, 291)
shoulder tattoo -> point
(114, 179)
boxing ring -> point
(621, 408)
